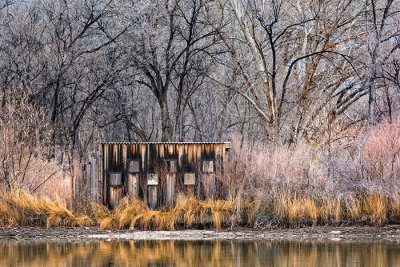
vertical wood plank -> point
(125, 166)
(180, 156)
(105, 173)
(152, 196)
(210, 185)
(88, 181)
(171, 185)
(116, 194)
(95, 177)
(133, 184)
(100, 174)
(72, 185)
(190, 190)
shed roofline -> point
(167, 143)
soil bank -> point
(385, 233)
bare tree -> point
(63, 55)
(292, 62)
(382, 25)
(169, 48)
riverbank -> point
(386, 233)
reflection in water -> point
(200, 253)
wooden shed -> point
(157, 172)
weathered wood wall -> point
(156, 172)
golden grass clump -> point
(376, 207)
(133, 213)
(293, 210)
(188, 212)
(116, 218)
(395, 210)
(221, 211)
(21, 209)
(251, 207)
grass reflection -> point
(200, 253)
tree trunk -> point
(165, 120)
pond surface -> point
(200, 253)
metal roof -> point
(165, 143)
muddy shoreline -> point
(387, 233)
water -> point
(200, 253)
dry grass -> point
(292, 211)
(188, 212)
(22, 208)
(295, 211)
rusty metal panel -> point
(152, 179)
(190, 179)
(208, 166)
(115, 178)
(134, 166)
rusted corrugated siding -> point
(167, 163)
